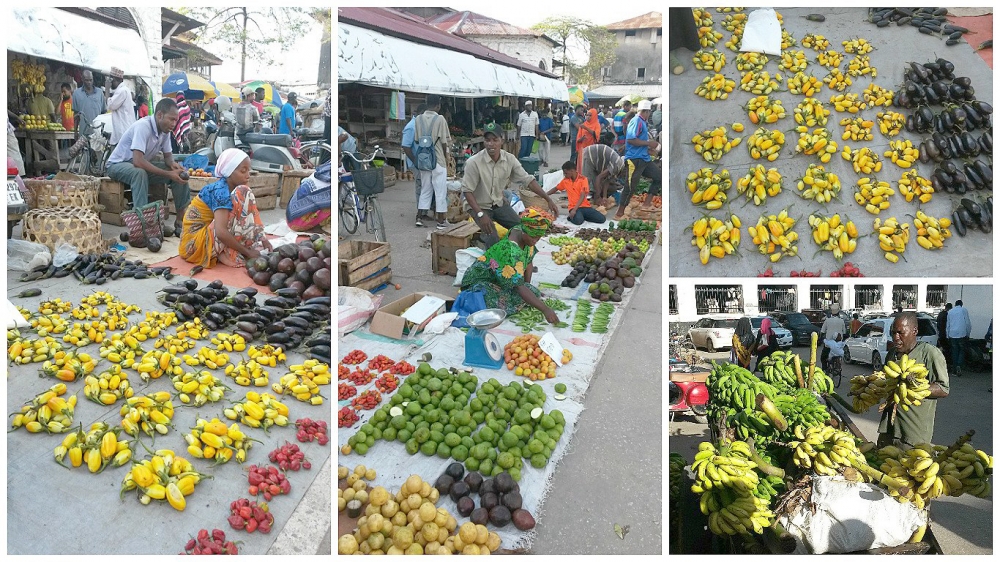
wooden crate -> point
(389, 175)
(445, 243)
(375, 281)
(359, 260)
(265, 183)
(266, 202)
(290, 182)
(456, 208)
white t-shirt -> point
(526, 122)
(833, 326)
(836, 347)
(564, 128)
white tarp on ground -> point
(372, 58)
(55, 34)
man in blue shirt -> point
(88, 100)
(286, 120)
(619, 124)
(638, 161)
(959, 327)
(409, 134)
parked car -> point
(872, 341)
(714, 332)
(817, 316)
(783, 336)
(798, 324)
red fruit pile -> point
(387, 383)
(848, 270)
(245, 515)
(403, 368)
(805, 273)
(367, 400)
(769, 272)
(309, 430)
(345, 391)
(347, 417)
(380, 363)
(342, 372)
(267, 480)
(355, 357)
(361, 377)
(289, 457)
(215, 543)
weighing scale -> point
(482, 349)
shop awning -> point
(375, 59)
(59, 35)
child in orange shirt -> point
(577, 188)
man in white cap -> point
(247, 117)
(832, 327)
(638, 161)
(527, 124)
(121, 105)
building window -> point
(672, 300)
(937, 296)
(868, 297)
(629, 33)
(777, 298)
(541, 64)
(904, 296)
(606, 71)
(822, 296)
(718, 299)
(659, 32)
(640, 73)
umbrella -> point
(577, 95)
(271, 94)
(658, 101)
(227, 90)
(631, 98)
(192, 85)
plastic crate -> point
(530, 164)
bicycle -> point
(835, 365)
(357, 205)
(315, 152)
(94, 148)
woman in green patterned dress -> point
(503, 273)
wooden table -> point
(41, 150)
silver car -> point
(713, 332)
(782, 335)
(871, 342)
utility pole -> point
(243, 44)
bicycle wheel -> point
(374, 222)
(80, 164)
(319, 153)
(348, 212)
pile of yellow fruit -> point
(709, 60)
(303, 381)
(804, 84)
(715, 238)
(149, 413)
(48, 411)
(68, 366)
(858, 46)
(259, 410)
(747, 62)
(810, 112)
(759, 184)
(98, 448)
(764, 109)
(708, 37)
(163, 477)
(860, 65)
(892, 237)
(847, 103)
(765, 144)
(109, 386)
(198, 388)
(702, 17)
(931, 232)
(212, 440)
(830, 59)
(837, 80)
(873, 195)
(913, 185)
(712, 144)
(857, 129)
(716, 87)
(833, 235)
(793, 61)
(890, 123)
(876, 95)
(818, 184)
(817, 142)
(816, 42)
(902, 153)
(708, 188)
(774, 236)
(864, 160)
(759, 83)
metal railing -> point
(937, 296)
(904, 296)
(718, 299)
(822, 296)
(672, 300)
(777, 298)
(868, 297)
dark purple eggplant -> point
(956, 222)
(219, 319)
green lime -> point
(522, 416)
(560, 387)
(467, 441)
(558, 416)
(434, 384)
(429, 448)
(515, 473)
(399, 422)
(443, 451)
(485, 466)
(472, 464)
(424, 397)
(487, 434)
(515, 451)
(496, 470)
(412, 446)
(422, 435)
(535, 446)
(538, 460)
(389, 434)
(361, 448)
(464, 430)
(479, 417)
(510, 393)
(509, 439)
(447, 404)
(452, 439)
(492, 454)
(460, 453)
(424, 368)
(404, 435)
(547, 422)
(476, 404)
(377, 434)
(480, 451)
(437, 435)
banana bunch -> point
(207, 357)
(163, 477)
(45, 324)
(779, 370)
(837, 80)
(750, 62)
(715, 87)
(873, 195)
(759, 184)
(751, 423)
(47, 411)
(108, 386)
(98, 448)
(156, 363)
(868, 390)
(907, 382)
(175, 345)
(192, 329)
(804, 84)
(931, 232)
(818, 184)
(890, 123)
(810, 112)
(847, 103)
(68, 366)
(793, 61)
(54, 306)
(199, 388)
(864, 159)
(912, 185)
(732, 386)
(268, 355)
(801, 408)
(676, 471)
(892, 237)
(857, 129)
(902, 153)
(702, 17)
(259, 410)
(764, 109)
(303, 381)
(150, 413)
(860, 65)
(33, 351)
(122, 350)
(824, 449)
(709, 60)
(726, 480)
(82, 334)
(715, 238)
(229, 342)
(966, 470)
(818, 141)
(787, 40)
(815, 42)
(246, 373)
(759, 83)
(213, 440)
(28, 74)
(832, 235)
(830, 59)
(857, 46)
(765, 143)
(773, 235)
(708, 188)
(712, 144)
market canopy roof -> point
(616, 91)
(55, 34)
(375, 59)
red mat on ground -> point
(980, 29)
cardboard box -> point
(389, 322)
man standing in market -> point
(433, 183)
(575, 121)
(88, 100)
(327, 120)
(619, 125)
(121, 105)
(41, 105)
(407, 144)
(247, 116)
(286, 120)
(959, 328)
(601, 166)
(639, 161)
(942, 327)
(527, 125)
(832, 327)
(131, 161)
(906, 428)
(66, 106)
(486, 176)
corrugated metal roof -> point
(652, 20)
(397, 24)
(616, 91)
(467, 23)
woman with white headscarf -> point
(222, 223)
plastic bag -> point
(454, 186)
(25, 256)
(64, 254)
(515, 201)
(762, 33)
(440, 323)
(465, 304)
(354, 308)
(464, 258)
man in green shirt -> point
(915, 426)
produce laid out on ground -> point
(777, 439)
(894, 127)
(146, 410)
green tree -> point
(573, 32)
(259, 33)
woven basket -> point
(75, 226)
(64, 193)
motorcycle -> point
(688, 395)
(266, 151)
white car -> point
(714, 332)
(783, 336)
(870, 343)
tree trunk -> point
(243, 45)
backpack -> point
(424, 155)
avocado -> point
(479, 516)
(456, 470)
(500, 516)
